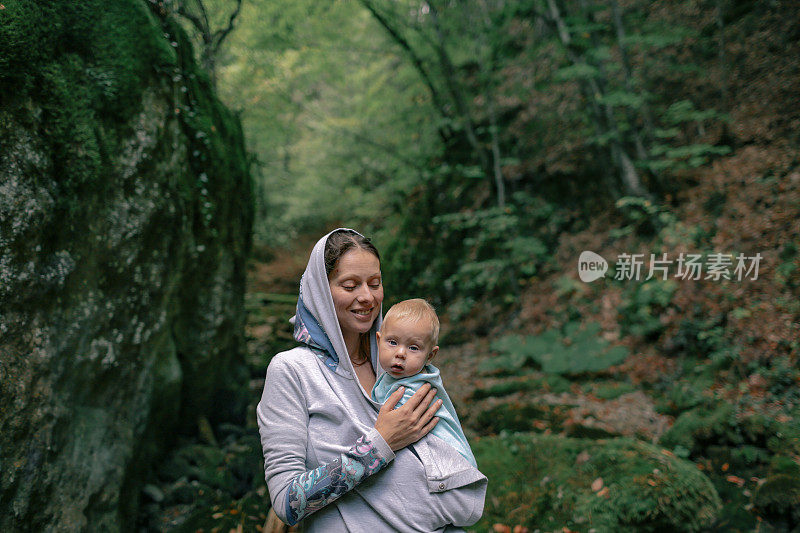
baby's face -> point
(404, 346)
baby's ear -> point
(378, 336)
(434, 351)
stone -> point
(125, 221)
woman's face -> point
(357, 292)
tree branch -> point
(194, 19)
(416, 61)
(221, 34)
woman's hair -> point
(342, 241)
(339, 243)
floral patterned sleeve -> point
(313, 490)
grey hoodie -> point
(317, 424)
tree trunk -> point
(604, 113)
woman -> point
(326, 441)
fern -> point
(577, 349)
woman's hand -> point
(411, 421)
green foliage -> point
(515, 417)
(545, 482)
(204, 486)
(643, 305)
(783, 377)
(781, 464)
(703, 337)
(547, 383)
(679, 156)
(778, 500)
(721, 425)
(695, 429)
(685, 394)
(611, 390)
(641, 217)
(575, 350)
(351, 124)
(491, 252)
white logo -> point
(591, 266)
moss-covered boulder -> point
(125, 216)
(549, 482)
(721, 425)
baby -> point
(406, 343)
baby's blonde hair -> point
(416, 309)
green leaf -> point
(580, 71)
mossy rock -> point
(778, 500)
(718, 425)
(551, 482)
(125, 218)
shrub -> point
(517, 417)
(778, 500)
(719, 425)
(554, 383)
(640, 313)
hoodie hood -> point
(315, 322)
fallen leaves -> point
(599, 489)
(735, 479)
(502, 528)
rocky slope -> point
(125, 216)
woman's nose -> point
(363, 294)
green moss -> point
(119, 42)
(85, 65)
(24, 40)
(545, 482)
